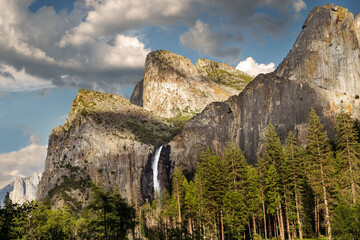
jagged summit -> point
(326, 53)
(173, 86)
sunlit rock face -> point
(21, 190)
(321, 71)
(173, 86)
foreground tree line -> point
(107, 216)
(293, 192)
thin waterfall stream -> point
(155, 167)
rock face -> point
(173, 86)
(22, 189)
(321, 71)
(107, 140)
(25, 188)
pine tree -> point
(273, 157)
(294, 178)
(235, 162)
(321, 166)
(253, 195)
(348, 154)
(190, 204)
(178, 191)
(211, 172)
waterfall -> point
(155, 167)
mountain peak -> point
(326, 53)
(174, 87)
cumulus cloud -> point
(29, 49)
(23, 163)
(251, 67)
(201, 38)
(109, 16)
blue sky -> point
(52, 48)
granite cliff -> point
(173, 86)
(106, 140)
(321, 71)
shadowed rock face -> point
(173, 86)
(321, 71)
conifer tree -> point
(273, 157)
(321, 165)
(253, 195)
(178, 191)
(190, 204)
(235, 162)
(294, 178)
(348, 153)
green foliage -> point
(347, 155)
(112, 217)
(38, 221)
(347, 221)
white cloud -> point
(201, 38)
(113, 16)
(251, 67)
(34, 61)
(23, 163)
(12, 80)
(126, 51)
(299, 5)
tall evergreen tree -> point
(178, 191)
(348, 153)
(253, 196)
(294, 178)
(321, 165)
(273, 157)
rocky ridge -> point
(173, 86)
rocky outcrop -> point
(106, 140)
(223, 74)
(173, 86)
(321, 71)
(22, 189)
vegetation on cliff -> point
(119, 117)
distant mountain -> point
(4, 191)
(22, 189)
